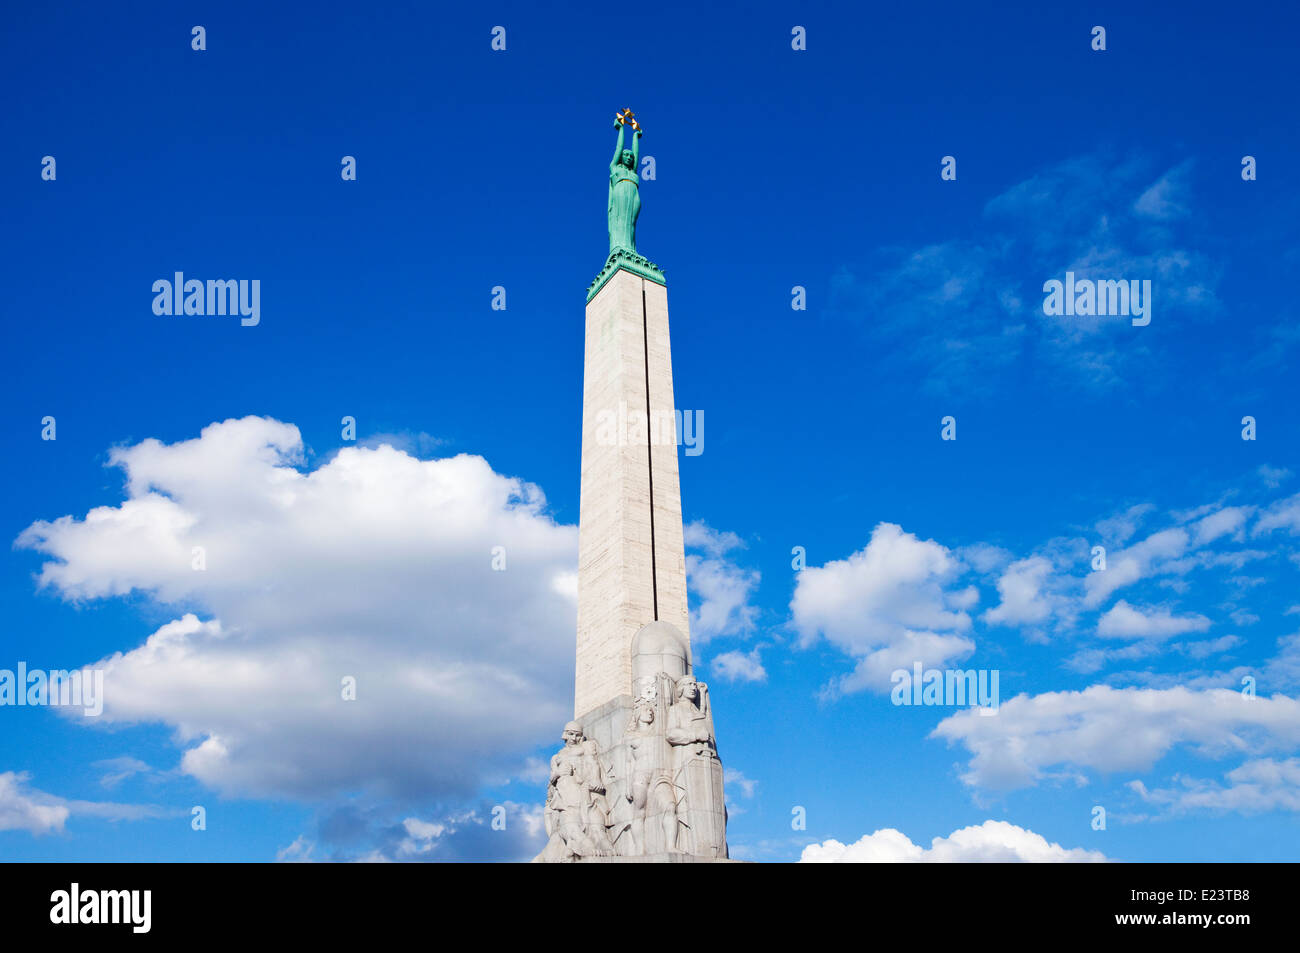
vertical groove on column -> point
(649, 449)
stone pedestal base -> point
(659, 859)
(639, 777)
(695, 824)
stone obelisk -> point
(639, 776)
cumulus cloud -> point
(1024, 591)
(1114, 729)
(992, 842)
(889, 605)
(700, 535)
(902, 600)
(721, 588)
(736, 666)
(374, 566)
(1124, 621)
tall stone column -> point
(631, 560)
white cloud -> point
(1087, 661)
(724, 590)
(1119, 529)
(1138, 561)
(1207, 647)
(1224, 522)
(117, 770)
(24, 808)
(1023, 588)
(299, 852)
(736, 780)
(736, 666)
(955, 313)
(508, 831)
(1284, 668)
(699, 535)
(1263, 784)
(423, 836)
(1124, 621)
(1284, 514)
(985, 557)
(888, 605)
(1163, 200)
(875, 671)
(1272, 477)
(374, 565)
(991, 842)
(737, 784)
(1114, 729)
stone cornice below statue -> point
(628, 261)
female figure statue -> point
(624, 187)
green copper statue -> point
(624, 190)
(624, 207)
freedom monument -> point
(638, 778)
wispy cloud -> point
(1258, 785)
(25, 808)
(958, 310)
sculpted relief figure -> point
(690, 719)
(576, 813)
(652, 794)
(697, 771)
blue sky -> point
(774, 168)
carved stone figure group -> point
(657, 791)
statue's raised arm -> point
(618, 146)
